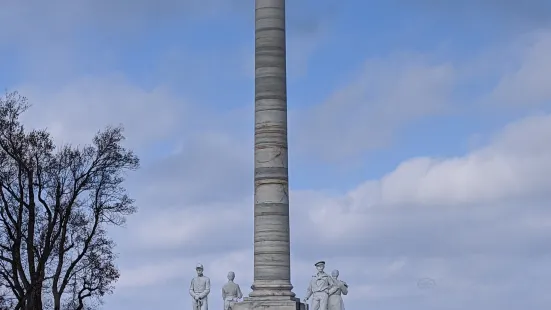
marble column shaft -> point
(272, 272)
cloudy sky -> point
(420, 138)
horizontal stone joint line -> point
(271, 214)
(266, 213)
(271, 177)
(281, 109)
(271, 205)
(272, 96)
(263, 29)
(279, 8)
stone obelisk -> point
(272, 288)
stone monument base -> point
(269, 303)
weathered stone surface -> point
(272, 272)
(267, 303)
(272, 288)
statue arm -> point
(331, 283)
(191, 291)
(309, 291)
(344, 288)
(207, 289)
(239, 294)
(223, 294)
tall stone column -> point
(272, 272)
(272, 289)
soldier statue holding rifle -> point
(199, 290)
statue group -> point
(325, 291)
(200, 289)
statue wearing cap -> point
(319, 287)
(199, 290)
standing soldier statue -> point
(199, 290)
(231, 292)
(319, 287)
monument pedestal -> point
(270, 303)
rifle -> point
(199, 304)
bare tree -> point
(55, 206)
(6, 301)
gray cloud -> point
(384, 96)
(63, 18)
(524, 84)
(80, 107)
(309, 17)
(44, 37)
(305, 16)
(508, 12)
(200, 171)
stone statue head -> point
(335, 273)
(199, 269)
(320, 266)
(231, 275)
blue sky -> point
(419, 132)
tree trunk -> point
(57, 301)
(34, 301)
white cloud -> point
(195, 173)
(183, 269)
(364, 115)
(526, 83)
(154, 274)
(190, 225)
(77, 110)
(390, 94)
(514, 165)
